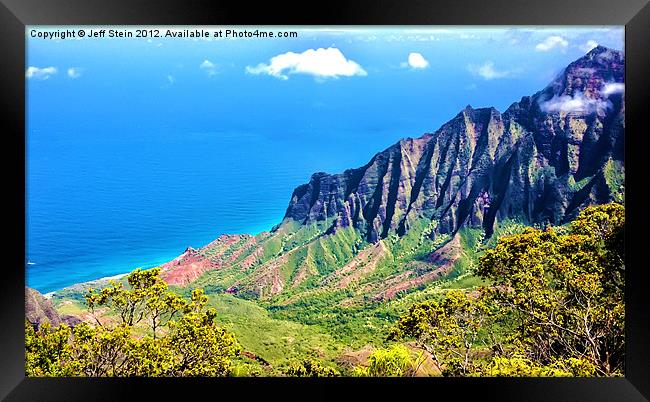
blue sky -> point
(409, 80)
(137, 148)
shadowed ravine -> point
(393, 224)
(540, 162)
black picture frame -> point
(16, 14)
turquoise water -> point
(136, 150)
(100, 205)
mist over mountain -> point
(484, 166)
(409, 215)
(372, 219)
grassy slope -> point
(317, 322)
(276, 341)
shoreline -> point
(52, 293)
(106, 278)
(49, 295)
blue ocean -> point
(100, 206)
(138, 148)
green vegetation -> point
(183, 339)
(310, 368)
(525, 302)
(559, 298)
(279, 342)
(614, 172)
(395, 361)
(577, 186)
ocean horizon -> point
(104, 206)
(137, 148)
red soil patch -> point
(185, 268)
(445, 257)
(362, 265)
(269, 274)
(190, 265)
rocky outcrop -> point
(540, 161)
(39, 310)
(382, 229)
(194, 262)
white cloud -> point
(40, 73)
(74, 72)
(207, 64)
(416, 60)
(170, 79)
(551, 43)
(613, 88)
(515, 36)
(487, 71)
(574, 104)
(587, 46)
(209, 67)
(321, 63)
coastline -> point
(163, 261)
(104, 279)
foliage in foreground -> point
(310, 368)
(395, 361)
(555, 306)
(183, 339)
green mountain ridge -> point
(356, 249)
(392, 225)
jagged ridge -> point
(483, 166)
(381, 226)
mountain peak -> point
(587, 76)
(541, 161)
(600, 56)
(601, 49)
(483, 166)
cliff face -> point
(394, 224)
(39, 310)
(541, 161)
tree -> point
(521, 366)
(566, 291)
(447, 329)
(46, 348)
(558, 298)
(395, 361)
(310, 368)
(147, 299)
(184, 339)
(199, 347)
